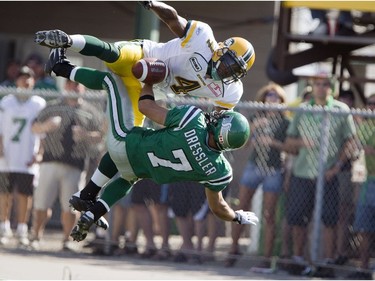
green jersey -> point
(178, 152)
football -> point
(150, 70)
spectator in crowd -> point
(364, 222)
(124, 224)
(146, 195)
(211, 227)
(187, 201)
(286, 229)
(71, 126)
(265, 167)
(347, 97)
(42, 81)
(12, 71)
(342, 22)
(346, 193)
(305, 96)
(304, 134)
(20, 150)
(286, 233)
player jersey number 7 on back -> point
(178, 152)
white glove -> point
(243, 217)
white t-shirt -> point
(19, 143)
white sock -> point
(22, 228)
(78, 42)
(99, 179)
(5, 225)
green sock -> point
(91, 78)
(107, 167)
(100, 49)
(115, 190)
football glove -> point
(243, 217)
(146, 4)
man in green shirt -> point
(304, 133)
(364, 222)
(188, 148)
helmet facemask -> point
(231, 61)
(229, 68)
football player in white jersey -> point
(198, 65)
(20, 148)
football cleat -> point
(80, 231)
(53, 39)
(103, 223)
(79, 204)
(83, 205)
(55, 56)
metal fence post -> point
(323, 153)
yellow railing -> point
(365, 6)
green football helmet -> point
(231, 129)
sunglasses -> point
(271, 95)
(322, 84)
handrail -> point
(365, 6)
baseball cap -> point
(26, 71)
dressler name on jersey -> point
(196, 149)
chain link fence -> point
(321, 130)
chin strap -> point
(211, 121)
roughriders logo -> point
(225, 128)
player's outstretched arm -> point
(149, 107)
(169, 16)
(222, 210)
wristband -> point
(146, 97)
(236, 218)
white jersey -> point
(19, 143)
(187, 59)
(3, 165)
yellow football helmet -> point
(231, 61)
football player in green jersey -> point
(215, 73)
(188, 148)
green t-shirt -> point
(308, 126)
(179, 152)
(366, 133)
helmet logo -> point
(225, 128)
(229, 42)
(230, 129)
